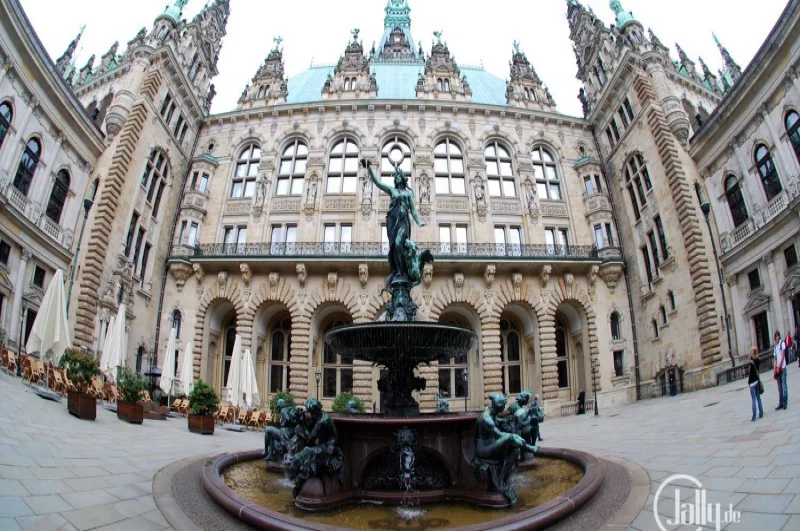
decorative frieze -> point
(285, 205)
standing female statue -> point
(406, 261)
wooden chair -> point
(111, 393)
(146, 397)
(4, 359)
(67, 382)
(255, 419)
(222, 413)
(184, 407)
(11, 363)
(41, 371)
(58, 384)
(175, 405)
(27, 370)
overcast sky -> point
(477, 31)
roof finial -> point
(516, 47)
(277, 40)
(623, 17)
(63, 62)
(355, 33)
(438, 35)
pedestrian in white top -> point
(780, 372)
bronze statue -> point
(282, 440)
(320, 456)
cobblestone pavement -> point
(57, 472)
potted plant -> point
(288, 399)
(203, 404)
(347, 403)
(81, 368)
(130, 387)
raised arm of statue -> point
(365, 163)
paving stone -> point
(92, 517)
(764, 486)
(47, 522)
(81, 500)
(765, 503)
(136, 523)
(47, 504)
(53, 473)
(84, 484)
(760, 522)
(12, 487)
(41, 487)
(9, 524)
(126, 492)
(11, 506)
(16, 472)
(157, 518)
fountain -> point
(402, 457)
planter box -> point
(203, 424)
(132, 413)
(81, 406)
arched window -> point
(562, 359)
(448, 163)
(27, 165)
(451, 374)
(58, 196)
(662, 311)
(447, 85)
(400, 150)
(244, 182)
(672, 305)
(736, 204)
(280, 352)
(176, 323)
(500, 171)
(337, 370)
(769, 175)
(293, 169)
(194, 67)
(654, 326)
(548, 184)
(439, 85)
(230, 342)
(262, 92)
(343, 168)
(637, 179)
(616, 331)
(792, 129)
(156, 173)
(510, 357)
(6, 115)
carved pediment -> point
(757, 303)
(5, 283)
(792, 284)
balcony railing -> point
(380, 250)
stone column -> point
(779, 322)
(733, 287)
(547, 335)
(19, 287)
(535, 380)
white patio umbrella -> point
(117, 345)
(168, 368)
(51, 328)
(248, 380)
(187, 369)
(234, 382)
(104, 356)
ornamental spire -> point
(64, 61)
(623, 17)
(732, 69)
(397, 44)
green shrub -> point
(273, 402)
(340, 403)
(81, 368)
(130, 385)
(203, 400)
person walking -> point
(779, 351)
(756, 387)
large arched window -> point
(451, 373)
(792, 129)
(5, 120)
(176, 323)
(244, 182)
(448, 163)
(500, 171)
(230, 342)
(293, 169)
(769, 175)
(511, 357)
(616, 331)
(637, 179)
(733, 192)
(400, 151)
(58, 196)
(279, 356)
(562, 358)
(155, 177)
(343, 168)
(337, 370)
(548, 184)
(27, 165)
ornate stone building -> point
(748, 153)
(574, 246)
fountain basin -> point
(465, 517)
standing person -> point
(756, 387)
(779, 352)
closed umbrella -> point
(50, 328)
(105, 356)
(187, 369)
(117, 345)
(249, 383)
(168, 369)
(234, 376)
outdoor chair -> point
(27, 370)
(176, 404)
(255, 419)
(184, 408)
(58, 384)
(146, 397)
(221, 414)
(242, 416)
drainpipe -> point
(171, 238)
(637, 372)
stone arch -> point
(226, 291)
(503, 137)
(244, 141)
(406, 132)
(477, 365)
(548, 141)
(280, 142)
(337, 133)
(439, 134)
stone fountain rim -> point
(539, 517)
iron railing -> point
(379, 250)
(766, 362)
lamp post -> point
(705, 206)
(594, 385)
(465, 376)
(87, 206)
(318, 377)
(24, 311)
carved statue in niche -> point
(425, 189)
(311, 194)
(302, 275)
(480, 191)
(261, 191)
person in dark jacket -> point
(754, 382)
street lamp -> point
(24, 310)
(594, 385)
(465, 376)
(318, 377)
(87, 206)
